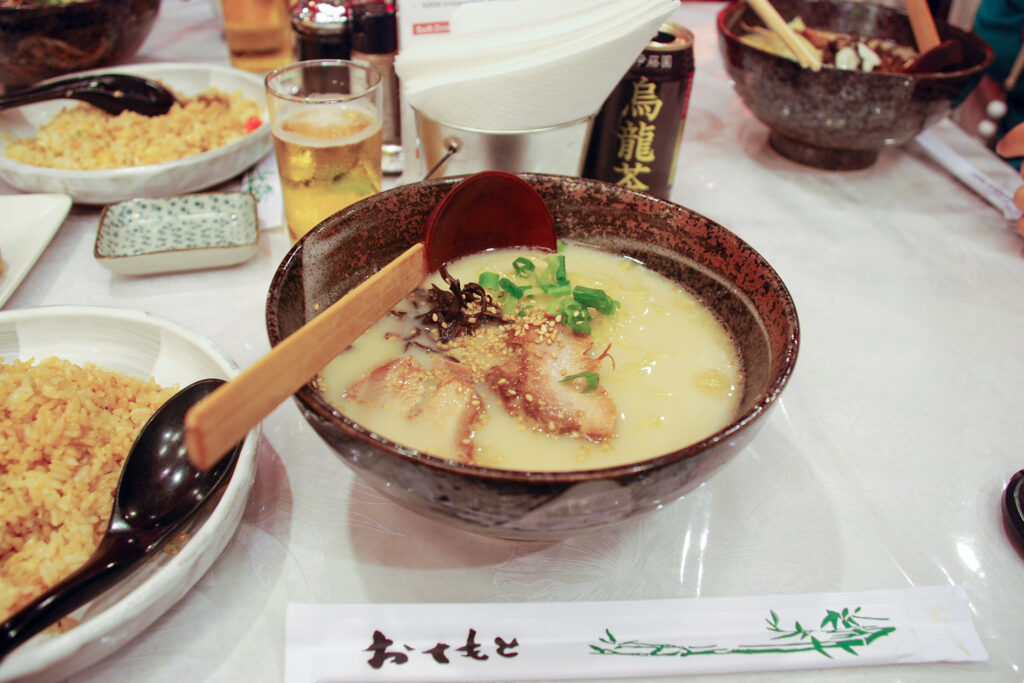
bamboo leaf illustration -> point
(848, 639)
(800, 630)
(819, 647)
(883, 631)
(787, 635)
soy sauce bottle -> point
(322, 29)
(374, 27)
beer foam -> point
(327, 125)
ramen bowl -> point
(711, 262)
(44, 39)
(841, 119)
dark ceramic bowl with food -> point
(689, 254)
(842, 118)
(40, 40)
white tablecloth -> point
(881, 468)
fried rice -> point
(85, 138)
(65, 431)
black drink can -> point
(636, 134)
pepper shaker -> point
(374, 27)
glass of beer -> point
(325, 116)
(259, 33)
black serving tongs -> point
(112, 93)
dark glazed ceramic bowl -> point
(707, 259)
(39, 42)
(836, 119)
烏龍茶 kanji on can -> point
(636, 134)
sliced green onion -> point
(488, 280)
(558, 290)
(512, 288)
(522, 266)
(559, 246)
(591, 377)
(554, 275)
(555, 272)
(576, 316)
(596, 299)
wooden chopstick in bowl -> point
(807, 57)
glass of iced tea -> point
(325, 116)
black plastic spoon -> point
(158, 494)
(112, 93)
(1013, 509)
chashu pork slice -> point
(440, 400)
(530, 383)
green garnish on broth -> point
(591, 380)
(596, 299)
(488, 280)
(522, 266)
(575, 315)
(551, 289)
(511, 288)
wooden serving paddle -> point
(487, 210)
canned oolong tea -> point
(637, 132)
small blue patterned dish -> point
(191, 232)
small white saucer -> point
(191, 232)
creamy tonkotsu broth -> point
(676, 376)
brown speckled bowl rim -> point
(310, 399)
